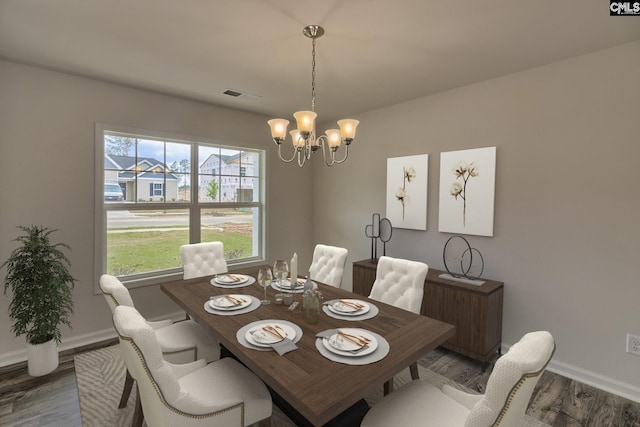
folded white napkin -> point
(284, 346)
(326, 334)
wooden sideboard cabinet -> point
(476, 311)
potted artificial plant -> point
(38, 275)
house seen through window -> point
(160, 194)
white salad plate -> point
(348, 307)
(230, 279)
(259, 337)
(343, 347)
(228, 302)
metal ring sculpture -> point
(468, 251)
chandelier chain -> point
(313, 75)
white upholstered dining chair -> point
(181, 342)
(222, 393)
(203, 259)
(328, 264)
(504, 403)
(400, 282)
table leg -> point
(413, 368)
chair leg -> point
(388, 387)
(126, 391)
(413, 368)
(138, 415)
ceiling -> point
(375, 53)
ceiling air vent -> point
(242, 95)
(232, 93)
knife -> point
(355, 340)
(236, 301)
(352, 304)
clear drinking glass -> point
(311, 306)
(264, 279)
(281, 269)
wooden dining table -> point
(318, 388)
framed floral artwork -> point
(407, 191)
(467, 191)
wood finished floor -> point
(558, 401)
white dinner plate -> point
(339, 307)
(227, 302)
(343, 347)
(286, 285)
(231, 279)
(257, 336)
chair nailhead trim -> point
(516, 387)
(115, 301)
(164, 402)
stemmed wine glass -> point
(281, 269)
(264, 279)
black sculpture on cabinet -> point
(378, 229)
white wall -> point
(567, 203)
(47, 176)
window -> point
(155, 194)
(157, 189)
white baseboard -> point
(14, 357)
(610, 385)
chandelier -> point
(304, 139)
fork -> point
(363, 345)
(236, 301)
(362, 339)
(273, 331)
(352, 304)
(355, 340)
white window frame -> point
(158, 187)
(194, 207)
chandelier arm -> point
(302, 158)
(311, 142)
(346, 154)
(321, 141)
(282, 158)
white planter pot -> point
(42, 358)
